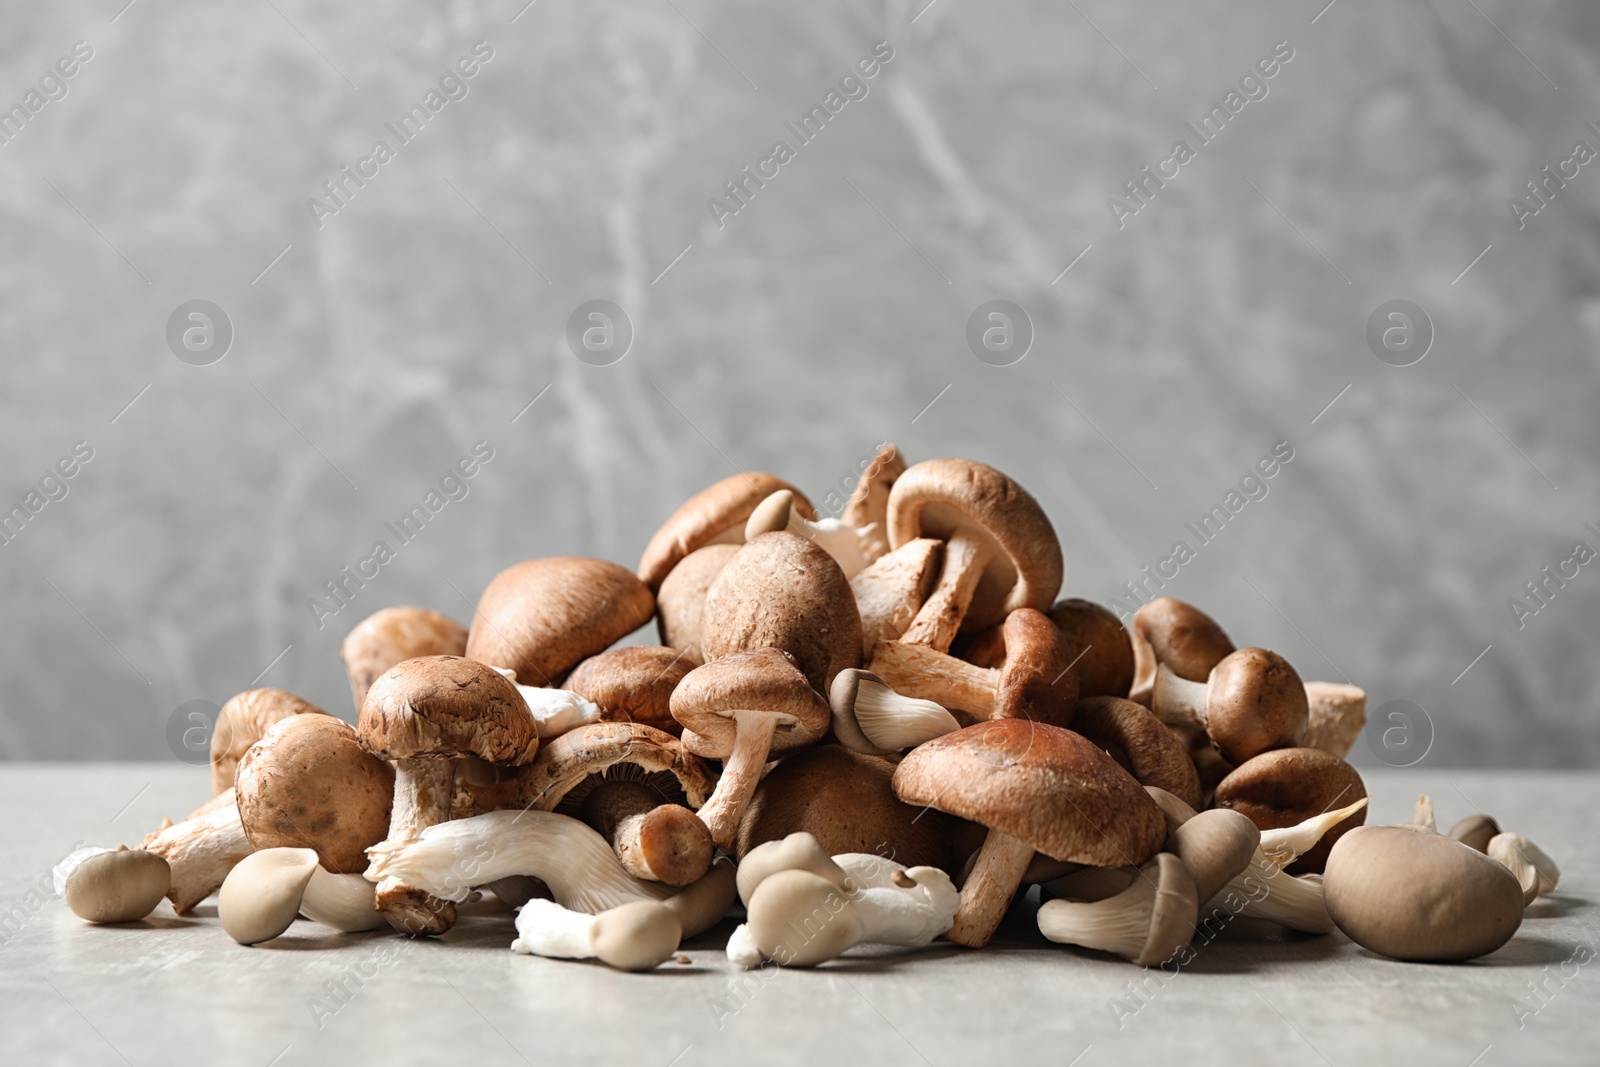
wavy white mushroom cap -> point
(554, 711)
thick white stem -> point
(346, 902)
(1178, 701)
(1270, 894)
(545, 928)
(741, 773)
(1120, 924)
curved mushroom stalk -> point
(555, 711)
(447, 860)
(1282, 847)
(629, 937)
(754, 732)
(1178, 701)
(1536, 872)
(852, 547)
(200, 853)
(871, 718)
(1149, 922)
(1422, 814)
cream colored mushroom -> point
(1536, 872)
(630, 937)
(102, 885)
(852, 547)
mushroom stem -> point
(894, 722)
(655, 841)
(631, 937)
(940, 617)
(741, 773)
(1119, 924)
(1422, 814)
(200, 852)
(1283, 846)
(918, 670)
(988, 890)
(422, 792)
(1178, 701)
(450, 858)
(343, 901)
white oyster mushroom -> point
(630, 937)
(852, 547)
(554, 711)
(1283, 846)
(1535, 870)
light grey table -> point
(178, 991)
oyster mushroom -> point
(1149, 922)
(852, 547)
(637, 936)
(112, 885)
(871, 718)
(1536, 872)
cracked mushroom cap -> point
(571, 766)
(846, 801)
(309, 784)
(1038, 680)
(784, 592)
(1256, 702)
(682, 597)
(1178, 634)
(386, 637)
(243, 721)
(717, 512)
(1289, 785)
(890, 590)
(1140, 743)
(1043, 785)
(446, 707)
(1095, 640)
(541, 617)
(940, 497)
(633, 684)
(766, 679)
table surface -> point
(175, 990)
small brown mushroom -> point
(845, 800)
(1001, 553)
(1253, 701)
(1037, 788)
(1286, 786)
(634, 684)
(1140, 744)
(682, 598)
(891, 590)
(716, 514)
(744, 708)
(242, 722)
(1094, 638)
(391, 635)
(1037, 681)
(541, 617)
(1178, 634)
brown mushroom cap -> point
(785, 592)
(1256, 702)
(386, 637)
(891, 589)
(869, 502)
(244, 719)
(1043, 785)
(446, 707)
(845, 800)
(1138, 741)
(710, 513)
(542, 616)
(1093, 636)
(1178, 634)
(1286, 786)
(939, 497)
(1413, 894)
(765, 679)
(571, 766)
(633, 684)
(682, 597)
(1038, 680)
(309, 784)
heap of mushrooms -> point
(876, 725)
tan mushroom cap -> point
(540, 617)
(1043, 785)
(717, 510)
(571, 765)
(1215, 846)
(890, 590)
(309, 784)
(1138, 741)
(633, 684)
(1476, 831)
(1038, 680)
(244, 719)
(120, 886)
(786, 900)
(446, 707)
(940, 497)
(782, 591)
(1286, 786)
(1256, 702)
(869, 502)
(682, 597)
(765, 680)
(386, 637)
(1093, 636)
(1178, 634)
(846, 801)
(1173, 912)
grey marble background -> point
(1227, 315)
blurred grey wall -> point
(1212, 310)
